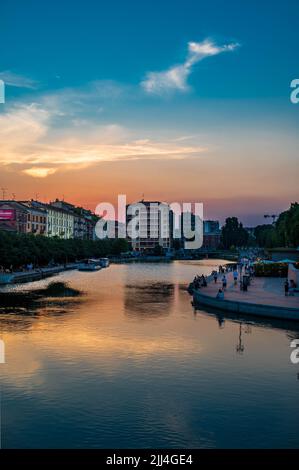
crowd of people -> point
(199, 281)
(22, 268)
(242, 273)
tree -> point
(284, 233)
(119, 245)
(20, 249)
(158, 250)
(266, 236)
(233, 233)
(287, 226)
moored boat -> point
(90, 265)
(104, 262)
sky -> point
(174, 100)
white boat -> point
(104, 262)
(90, 265)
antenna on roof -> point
(4, 193)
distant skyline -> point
(179, 101)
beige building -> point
(60, 222)
(36, 221)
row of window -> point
(36, 218)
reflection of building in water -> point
(154, 300)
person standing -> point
(220, 295)
(286, 287)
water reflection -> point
(16, 308)
(89, 370)
(148, 301)
(272, 323)
(247, 322)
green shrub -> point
(272, 270)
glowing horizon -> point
(177, 121)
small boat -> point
(90, 265)
(104, 262)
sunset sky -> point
(177, 100)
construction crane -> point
(273, 216)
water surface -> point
(130, 363)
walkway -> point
(263, 290)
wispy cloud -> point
(176, 77)
(40, 172)
(30, 139)
(18, 81)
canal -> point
(130, 363)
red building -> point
(13, 217)
(21, 217)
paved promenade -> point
(263, 290)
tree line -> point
(17, 250)
(282, 234)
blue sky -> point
(121, 40)
(140, 66)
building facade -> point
(36, 219)
(60, 222)
(13, 217)
(21, 217)
(211, 226)
(56, 219)
(84, 220)
(152, 221)
(212, 235)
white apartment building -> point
(152, 221)
(60, 222)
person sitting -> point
(220, 295)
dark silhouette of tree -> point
(20, 249)
(233, 233)
(284, 233)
